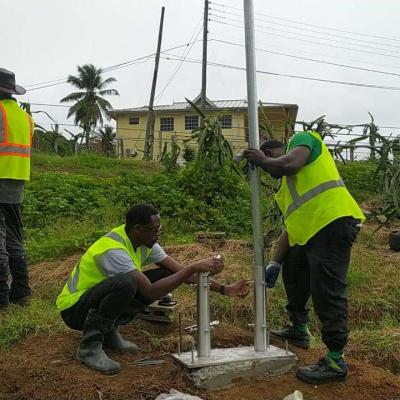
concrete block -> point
(226, 365)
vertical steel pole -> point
(260, 341)
(203, 315)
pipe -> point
(203, 315)
(260, 341)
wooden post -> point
(159, 144)
(122, 148)
(56, 139)
(352, 153)
(149, 138)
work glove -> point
(272, 273)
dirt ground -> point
(43, 367)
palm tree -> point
(107, 136)
(89, 108)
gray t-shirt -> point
(117, 261)
(11, 191)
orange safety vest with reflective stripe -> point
(16, 129)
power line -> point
(343, 125)
(184, 55)
(234, 67)
(313, 25)
(336, 57)
(310, 59)
(105, 69)
(218, 11)
(307, 41)
(305, 35)
(48, 105)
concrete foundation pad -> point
(225, 365)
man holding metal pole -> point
(322, 221)
(107, 287)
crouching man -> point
(107, 288)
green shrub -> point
(359, 179)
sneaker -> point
(327, 370)
(293, 336)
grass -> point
(92, 165)
(374, 275)
(373, 295)
(18, 322)
(377, 346)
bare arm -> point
(172, 265)
(282, 249)
(286, 165)
(160, 288)
(240, 288)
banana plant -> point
(213, 147)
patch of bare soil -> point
(43, 367)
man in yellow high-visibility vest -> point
(322, 221)
(107, 288)
(16, 128)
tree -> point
(107, 136)
(90, 107)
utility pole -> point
(149, 138)
(260, 328)
(204, 64)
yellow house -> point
(176, 121)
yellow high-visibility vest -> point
(16, 129)
(314, 197)
(88, 272)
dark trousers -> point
(116, 298)
(318, 269)
(12, 255)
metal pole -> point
(203, 315)
(260, 341)
(149, 138)
(204, 62)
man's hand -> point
(272, 273)
(213, 265)
(238, 289)
(255, 156)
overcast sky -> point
(44, 40)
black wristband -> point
(222, 289)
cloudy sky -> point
(44, 40)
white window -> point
(167, 124)
(226, 121)
(191, 122)
(133, 120)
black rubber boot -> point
(20, 292)
(293, 336)
(326, 371)
(90, 351)
(115, 341)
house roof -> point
(211, 105)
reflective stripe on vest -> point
(314, 197)
(73, 281)
(299, 200)
(115, 236)
(3, 125)
(89, 271)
